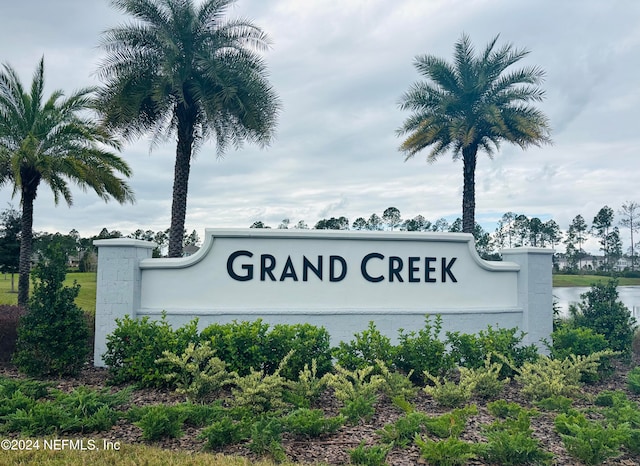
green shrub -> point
(485, 380)
(369, 456)
(161, 421)
(197, 372)
(311, 422)
(53, 334)
(510, 442)
(610, 398)
(552, 377)
(82, 410)
(513, 447)
(581, 341)
(259, 392)
(448, 393)
(403, 430)
(307, 388)
(241, 345)
(449, 452)
(224, 431)
(602, 312)
(136, 344)
(633, 380)
(423, 351)
(367, 347)
(450, 424)
(307, 342)
(472, 351)
(504, 409)
(593, 443)
(357, 390)
(266, 438)
(556, 403)
(396, 385)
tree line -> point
(513, 230)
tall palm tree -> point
(54, 142)
(473, 104)
(184, 70)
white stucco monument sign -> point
(337, 279)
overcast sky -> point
(340, 68)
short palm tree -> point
(473, 104)
(184, 71)
(53, 142)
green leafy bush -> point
(82, 410)
(307, 388)
(266, 437)
(593, 443)
(602, 312)
(472, 351)
(369, 455)
(448, 393)
(365, 349)
(357, 390)
(556, 403)
(396, 385)
(307, 342)
(581, 341)
(633, 380)
(311, 422)
(136, 344)
(509, 442)
(259, 392)
(53, 334)
(449, 452)
(161, 421)
(450, 424)
(403, 430)
(241, 345)
(224, 431)
(423, 351)
(552, 377)
(485, 380)
(197, 372)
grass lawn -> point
(588, 280)
(127, 454)
(85, 300)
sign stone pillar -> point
(118, 286)
(535, 291)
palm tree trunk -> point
(181, 179)
(26, 241)
(469, 188)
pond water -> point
(629, 295)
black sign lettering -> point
(363, 267)
(288, 271)
(332, 268)
(395, 267)
(267, 269)
(446, 270)
(306, 265)
(247, 267)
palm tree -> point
(472, 104)
(184, 71)
(53, 142)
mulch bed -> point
(333, 449)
